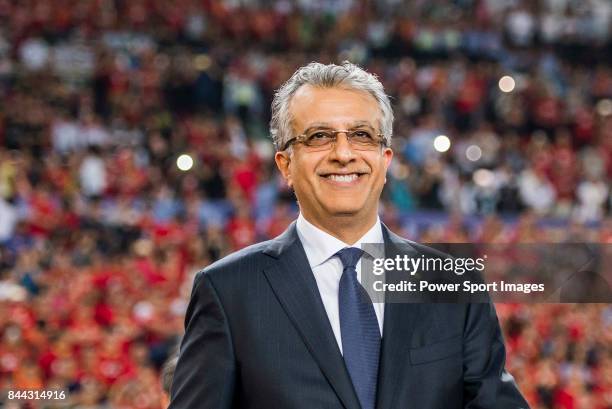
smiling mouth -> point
(343, 178)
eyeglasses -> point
(320, 139)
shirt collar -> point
(320, 246)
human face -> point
(339, 182)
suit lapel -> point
(294, 285)
(399, 322)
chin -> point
(345, 210)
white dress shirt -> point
(320, 249)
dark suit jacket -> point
(257, 336)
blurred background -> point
(134, 151)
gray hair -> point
(347, 75)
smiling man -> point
(280, 324)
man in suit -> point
(280, 325)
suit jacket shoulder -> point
(237, 261)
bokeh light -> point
(442, 143)
(507, 83)
(483, 177)
(184, 162)
(473, 153)
(604, 107)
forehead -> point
(337, 107)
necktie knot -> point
(350, 256)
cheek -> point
(381, 176)
(302, 173)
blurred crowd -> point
(503, 133)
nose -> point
(342, 150)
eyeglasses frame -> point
(303, 137)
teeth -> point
(343, 178)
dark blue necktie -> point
(359, 330)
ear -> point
(387, 157)
(283, 160)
